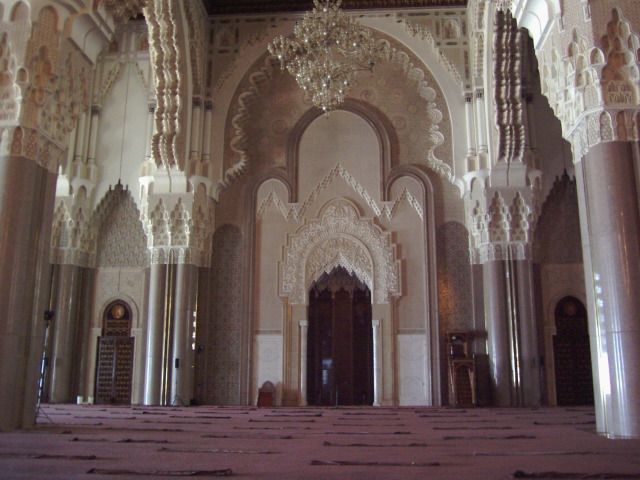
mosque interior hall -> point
(237, 234)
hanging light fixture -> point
(327, 49)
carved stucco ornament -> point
(340, 238)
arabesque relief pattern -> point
(360, 246)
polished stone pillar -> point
(377, 363)
(609, 184)
(26, 207)
(65, 326)
(84, 337)
(511, 333)
(186, 286)
(496, 312)
(304, 329)
(529, 394)
(156, 320)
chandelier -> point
(327, 49)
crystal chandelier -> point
(327, 49)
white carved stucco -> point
(340, 238)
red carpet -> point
(96, 442)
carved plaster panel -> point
(168, 52)
(449, 32)
(500, 228)
(10, 92)
(595, 92)
(508, 77)
(122, 242)
(341, 251)
(179, 227)
(296, 212)
(122, 10)
(356, 244)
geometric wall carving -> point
(454, 277)
(224, 333)
(122, 242)
(557, 237)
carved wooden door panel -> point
(572, 355)
(339, 342)
(114, 370)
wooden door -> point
(340, 342)
(572, 354)
(114, 365)
(114, 371)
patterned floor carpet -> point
(97, 442)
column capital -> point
(501, 223)
(33, 145)
(179, 227)
(590, 79)
(303, 323)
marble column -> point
(511, 333)
(472, 158)
(304, 329)
(84, 336)
(377, 364)
(65, 325)
(527, 335)
(609, 184)
(155, 334)
(184, 306)
(496, 312)
(481, 127)
(26, 209)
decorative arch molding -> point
(339, 237)
(120, 297)
(339, 251)
(255, 47)
(416, 74)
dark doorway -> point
(115, 356)
(572, 355)
(340, 341)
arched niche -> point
(20, 12)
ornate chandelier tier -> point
(327, 49)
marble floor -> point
(99, 442)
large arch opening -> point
(340, 341)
